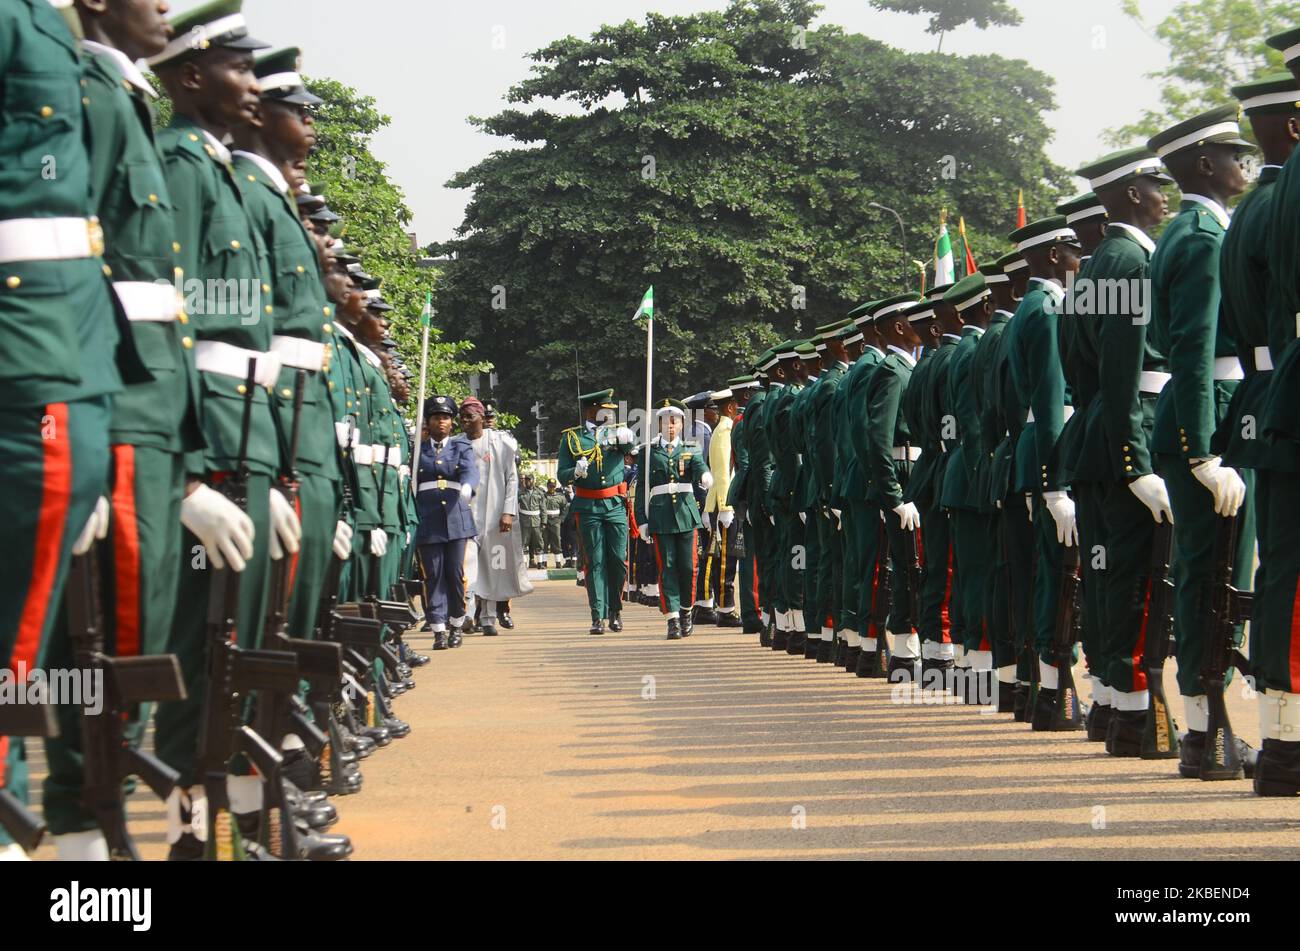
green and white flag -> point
(647, 307)
(427, 314)
(945, 270)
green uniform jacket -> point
(887, 429)
(962, 474)
(1281, 421)
(531, 500)
(784, 449)
(845, 462)
(355, 407)
(988, 406)
(1034, 358)
(1006, 421)
(672, 512)
(1126, 415)
(302, 312)
(58, 319)
(804, 497)
(823, 436)
(758, 440)
(857, 476)
(1081, 447)
(1185, 326)
(554, 506)
(605, 467)
(932, 402)
(131, 200)
(737, 492)
(225, 270)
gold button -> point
(47, 111)
(327, 311)
(235, 245)
(331, 384)
(176, 247)
(269, 309)
(13, 282)
(1128, 468)
(241, 389)
(1126, 449)
(1128, 458)
(85, 101)
(301, 269)
(286, 392)
(367, 389)
(178, 273)
(349, 404)
(188, 344)
(83, 83)
(108, 271)
(266, 288)
(328, 328)
(153, 198)
(252, 178)
(210, 150)
(183, 317)
(1187, 449)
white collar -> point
(1137, 234)
(979, 331)
(271, 172)
(841, 364)
(956, 337)
(130, 72)
(1054, 289)
(1264, 167)
(436, 444)
(776, 384)
(872, 346)
(222, 153)
(907, 357)
(369, 354)
(1220, 213)
(1001, 311)
(590, 425)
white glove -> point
(704, 517)
(706, 480)
(623, 436)
(772, 519)
(580, 468)
(839, 518)
(726, 518)
(342, 540)
(803, 517)
(1029, 504)
(466, 490)
(286, 530)
(644, 531)
(378, 542)
(1151, 492)
(96, 527)
(404, 471)
(1225, 484)
(220, 526)
(1061, 507)
(907, 514)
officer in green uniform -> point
(757, 516)
(154, 422)
(1131, 373)
(970, 313)
(888, 457)
(848, 637)
(789, 557)
(266, 152)
(748, 396)
(801, 496)
(207, 70)
(531, 500)
(1204, 156)
(554, 510)
(591, 460)
(1275, 628)
(675, 468)
(1051, 248)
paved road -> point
(546, 742)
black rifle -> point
(882, 603)
(278, 593)
(1160, 737)
(232, 673)
(1227, 607)
(1066, 714)
(128, 682)
(24, 719)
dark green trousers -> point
(1275, 630)
(830, 572)
(1130, 535)
(971, 535)
(177, 733)
(1047, 580)
(1013, 597)
(677, 560)
(603, 537)
(899, 620)
(318, 503)
(1091, 514)
(139, 572)
(1194, 527)
(850, 572)
(870, 545)
(791, 559)
(937, 573)
(54, 468)
(748, 587)
(814, 614)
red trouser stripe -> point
(695, 567)
(947, 600)
(1139, 672)
(293, 559)
(126, 553)
(1294, 641)
(56, 494)
(758, 604)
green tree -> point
(730, 159)
(948, 15)
(1213, 45)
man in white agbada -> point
(495, 567)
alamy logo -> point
(103, 905)
(1086, 297)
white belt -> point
(672, 488)
(299, 353)
(1263, 359)
(1066, 412)
(50, 239)
(1153, 382)
(149, 301)
(343, 434)
(386, 455)
(394, 457)
(364, 455)
(1228, 368)
(439, 484)
(906, 453)
(531, 513)
(213, 356)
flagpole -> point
(649, 399)
(425, 319)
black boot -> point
(780, 640)
(936, 673)
(674, 628)
(455, 637)
(851, 655)
(1277, 771)
(597, 627)
(1023, 711)
(1124, 733)
(440, 641)
(764, 635)
(1192, 753)
(687, 624)
(902, 670)
(1099, 722)
(616, 623)
(825, 652)
(795, 643)
(811, 645)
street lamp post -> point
(901, 230)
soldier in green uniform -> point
(673, 516)
(888, 457)
(850, 583)
(757, 516)
(208, 72)
(555, 508)
(801, 504)
(1275, 627)
(1051, 248)
(788, 554)
(531, 500)
(1204, 156)
(971, 309)
(1131, 373)
(591, 460)
(749, 397)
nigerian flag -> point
(427, 314)
(647, 307)
(945, 271)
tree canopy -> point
(948, 15)
(731, 159)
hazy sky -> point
(432, 63)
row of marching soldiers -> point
(1098, 428)
(206, 497)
